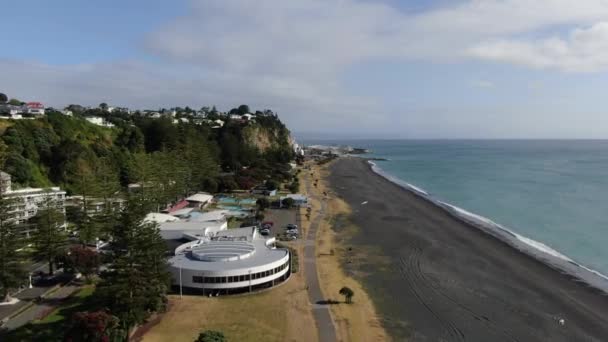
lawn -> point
(53, 326)
(280, 314)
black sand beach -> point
(443, 280)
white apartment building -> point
(28, 200)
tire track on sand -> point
(416, 282)
(436, 288)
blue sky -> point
(354, 68)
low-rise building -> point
(229, 261)
(99, 121)
(298, 199)
(34, 108)
(199, 200)
(8, 111)
(28, 200)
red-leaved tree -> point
(83, 260)
(97, 326)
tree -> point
(271, 185)
(137, 280)
(211, 336)
(14, 102)
(348, 294)
(294, 187)
(288, 202)
(3, 98)
(103, 106)
(83, 260)
(97, 326)
(262, 203)
(243, 109)
(12, 272)
(50, 238)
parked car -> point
(269, 223)
(265, 231)
(292, 226)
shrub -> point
(211, 336)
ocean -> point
(547, 196)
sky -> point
(329, 68)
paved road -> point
(37, 310)
(325, 325)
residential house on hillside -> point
(10, 112)
(99, 121)
(34, 108)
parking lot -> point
(281, 218)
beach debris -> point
(364, 203)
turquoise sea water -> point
(554, 192)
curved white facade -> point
(235, 259)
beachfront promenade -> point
(325, 325)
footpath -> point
(325, 324)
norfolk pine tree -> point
(49, 238)
(137, 280)
(12, 272)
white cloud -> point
(290, 55)
(585, 50)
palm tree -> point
(348, 294)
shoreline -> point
(446, 279)
(532, 248)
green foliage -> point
(288, 203)
(12, 273)
(262, 203)
(3, 98)
(49, 237)
(243, 109)
(348, 294)
(211, 336)
(294, 187)
(271, 185)
(14, 102)
(137, 280)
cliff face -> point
(266, 138)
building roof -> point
(296, 197)
(160, 218)
(211, 216)
(182, 212)
(200, 197)
(230, 250)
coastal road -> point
(435, 278)
(325, 324)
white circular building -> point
(231, 261)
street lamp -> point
(180, 281)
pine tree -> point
(86, 186)
(49, 237)
(137, 281)
(12, 272)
